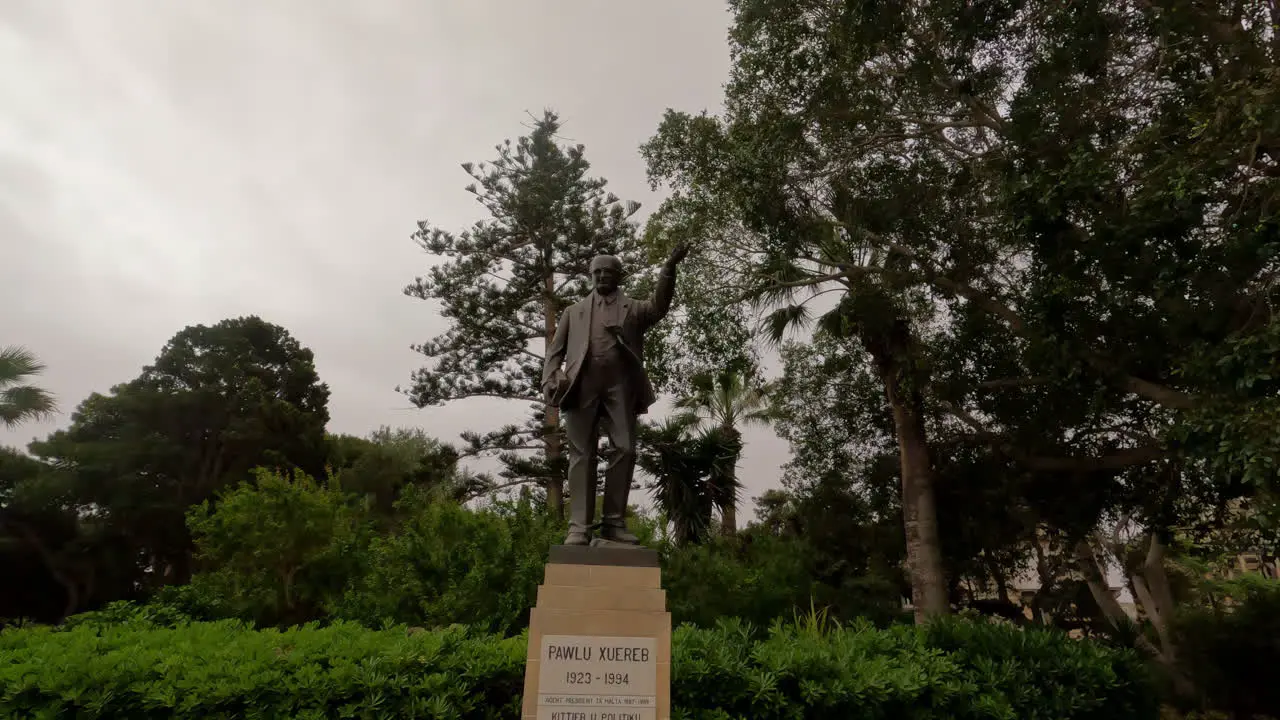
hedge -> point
(225, 669)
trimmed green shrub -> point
(951, 669)
(225, 669)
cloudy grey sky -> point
(170, 163)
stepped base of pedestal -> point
(599, 638)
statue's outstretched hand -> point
(678, 253)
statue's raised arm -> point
(594, 371)
(652, 311)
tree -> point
(504, 282)
(685, 466)
(20, 402)
(278, 547)
(706, 333)
(789, 250)
(724, 401)
(447, 564)
(386, 464)
(217, 402)
(1095, 181)
(847, 534)
(830, 409)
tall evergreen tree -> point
(505, 280)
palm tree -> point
(684, 465)
(722, 404)
(20, 402)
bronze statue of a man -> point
(600, 343)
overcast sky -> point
(172, 162)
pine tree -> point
(502, 286)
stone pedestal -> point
(599, 638)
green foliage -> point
(721, 404)
(57, 559)
(224, 670)
(692, 474)
(217, 402)
(1238, 432)
(1231, 648)
(704, 333)
(945, 670)
(446, 564)
(383, 465)
(849, 541)
(763, 579)
(279, 546)
(20, 401)
(1070, 207)
(155, 613)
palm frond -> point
(839, 322)
(17, 362)
(777, 323)
(687, 420)
(21, 402)
(25, 402)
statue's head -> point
(606, 273)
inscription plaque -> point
(587, 677)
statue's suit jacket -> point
(573, 336)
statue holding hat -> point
(594, 372)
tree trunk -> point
(729, 513)
(1096, 578)
(1046, 581)
(1151, 588)
(895, 360)
(59, 574)
(553, 450)
(1094, 574)
(1157, 577)
(1001, 581)
(286, 579)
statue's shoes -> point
(618, 535)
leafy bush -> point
(122, 612)
(171, 606)
(1231, 651)
(225, 669)
(446, 564)
(948, 670)
(767, 579)
(278, 547)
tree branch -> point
(1113, 460)
(1155, 392)
(489, 489)
(1014, 382)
